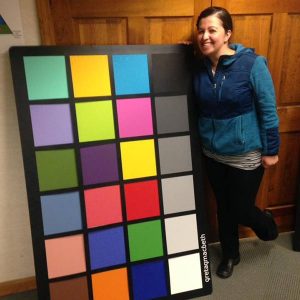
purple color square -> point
(99, 164)
(107, 248)
(51, 124)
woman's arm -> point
(262, 83)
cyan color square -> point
(61, 213)
(131, 74)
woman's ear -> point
(228, 35)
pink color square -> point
(103, 206)
(65, 256)
(142, 200)
(134, 117)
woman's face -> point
(212, 38)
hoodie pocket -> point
(240, 137)
(229, 136)
(206, 130)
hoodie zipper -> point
(214, 86)
(221, 86)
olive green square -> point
(145, 240)
(56, 169)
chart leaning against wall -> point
(113, 171)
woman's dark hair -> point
(221, 13)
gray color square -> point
(178, 194)
(175, 154)
(171, 114)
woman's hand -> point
(185, 42)
(269, 161)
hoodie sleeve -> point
(262, 83)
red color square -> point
(142, 200)
(103, 206)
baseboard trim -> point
(17, 286)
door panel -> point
(101, 31)
(287, 172)
(169, 30)
(289, 91)
(244, 32)
(131, 7)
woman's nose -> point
(205, 35)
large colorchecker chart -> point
(112, 167)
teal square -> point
(145, 240)
(46, 77)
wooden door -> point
(107, 22)
(272, 27)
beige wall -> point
(16, 258)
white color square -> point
(181, 234)
(185, 273)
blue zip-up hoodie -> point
(237, 105)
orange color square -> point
(110, 285)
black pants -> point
(235, 191)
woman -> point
(238, 126)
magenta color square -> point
(103, 206)
(134, 117)
(99, 164)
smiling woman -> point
(238, 127)
(214, 32)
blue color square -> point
(61, 213)
(131, 74)
(149, 280)
(107, 248)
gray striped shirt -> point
(247, 161)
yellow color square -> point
(138, 159)
(90, 75)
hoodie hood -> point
(239, 51)
(229, 59)
(240, 48)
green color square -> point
(95, 121)
(145, 240)
(46, 77)
(56, 169)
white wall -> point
(16, 258)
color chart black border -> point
(30, 166)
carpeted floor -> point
(267, 271)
